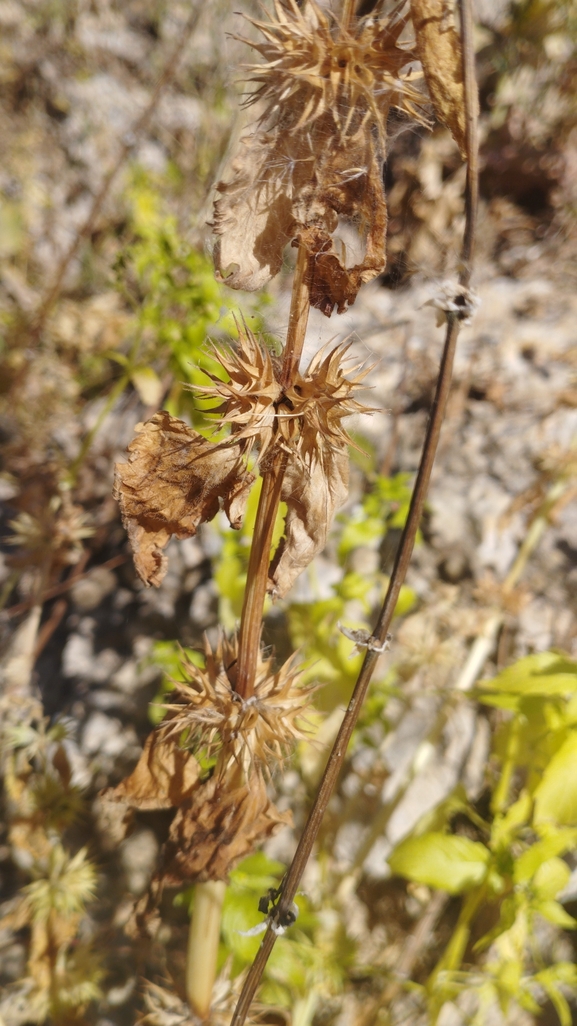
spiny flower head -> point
(306, 415)
(256, 728)
(315, 65)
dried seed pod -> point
(217, 719)
(175, 479)
(305, 420)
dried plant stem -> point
(338, 753)
(298, 318)
(203, 940)
(257, 575)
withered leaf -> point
(217, 826)
(312, 492)
(439, 50)
(349, 185)
(164, 776)
(252, 216)
(174, 480)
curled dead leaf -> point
(220, 824)
(164, 776)
(174, 480)
(439, 50)
(312, 490)
(253, 217)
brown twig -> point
(257, 577)
(257, 574)
(338, 753)
(39, 316)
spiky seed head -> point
(306, 417)
(315, 67)
(216, 717)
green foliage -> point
(329, 656)
(309, 958)
(385, 506)
(518, 869)
(177, 304)
(169, 657)
(454, 864)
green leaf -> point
(451, 863)
(551, 877)
(528, 864)
(554, 913)
(545, 673)
(506, 827)
(559, 1002)
(148, 385)
(239, 914)
(257, 872)
(556, 794)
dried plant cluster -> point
(176, 479)
(317, 152)
(314, 157)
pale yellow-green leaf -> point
(555, 913)
(556, 794)
(148, 385)
(556, 843)
(550, 878)
(517, 815)
(545, 673)
(452, 864)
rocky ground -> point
(74, 81)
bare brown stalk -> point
(38, 317)
(257, 577)
(292, 879)
(259, 560)
(298, 318)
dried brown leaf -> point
(349, 185)
(312, 489)
(175, 479)
(219, 825)
(253, 217)
(164, 777)
(439, 50)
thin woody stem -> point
(291, 881)
(259, 560)
(257, 579)
(298, 318)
